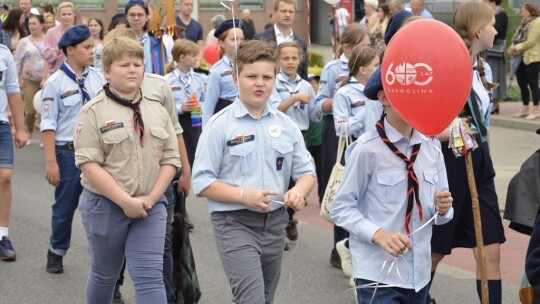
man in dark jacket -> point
(284, 11)
(247, 25)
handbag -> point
(335, 177)
(497, 50)
(527, 294)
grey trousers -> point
(111, 235)
(250, 245)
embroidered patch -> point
(225, 73)
(279, 163)
(45, 107)
(340, 78)
(282, 90)
(175, 88)
(240, 140)
(358, 103)
(110, 127)
(69, 93)
(159, 151)
(79, 128)
(341, 120)
(48, 99)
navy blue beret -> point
(395, 23)
(74, 35)
(118, 16)
(373, 85)
(225, 26)
(140, 3)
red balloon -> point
(211, 53)
(427, 75)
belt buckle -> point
(69, 146)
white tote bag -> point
(335, 177)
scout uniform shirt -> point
(353, 109)
(240, 150)
(284, 88)
(9, 81)
(62, 101)
(156, 87)
(105, 134)
(183, 85)
(373, 195)
(220, 86)
(333, 73)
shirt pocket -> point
(243, 156)
(283, 155)
(159, 138)
(72, 100)
(117, 145)
(431, 179)
(392, 186)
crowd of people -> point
(245, 134)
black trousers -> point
(191, 136)
(527, 77)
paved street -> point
(307, 277)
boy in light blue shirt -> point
(394, 183)
(246, 155)
(63, 96)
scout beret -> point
(395, 23)
(74, 35)
(225, 26)
(140, 3)
(373, 85)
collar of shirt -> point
(284, 78)
(395, 137)
(240, 109)
(227, 60)
(180, 75)
(85, 70)
(143, 38)
(280, 38)
(344, 61)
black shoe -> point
(117, 297)
(54, 263)
(335, 260)
(7, 253)
(286, 248)
(290, 231)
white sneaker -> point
(345, 256)
(29, 142)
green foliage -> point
(315, 59)
(513, 93)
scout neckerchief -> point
(79, 80)
(138, 123)
(185, 79)
(412, 181)
(285, 82)
(475, 112)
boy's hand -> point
(293, 199)
(135, 208)
(304, 97)
(395, 243)
(443, 201)
(52, 173)
(257, 199)
(20, 139)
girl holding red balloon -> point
(221, 90)
(332, 75)
(474, 23)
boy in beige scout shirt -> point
(128, 157)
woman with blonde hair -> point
(526, 42)
(67, 12)
(474, 22)
(49, 21)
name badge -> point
(226, 72)
(240, 140)
(69, 93)
(110, 127)
(281, 90)
(357, 103)
(176, 88)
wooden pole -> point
(477, 227)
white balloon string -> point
(393, 264)
(231, 8)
